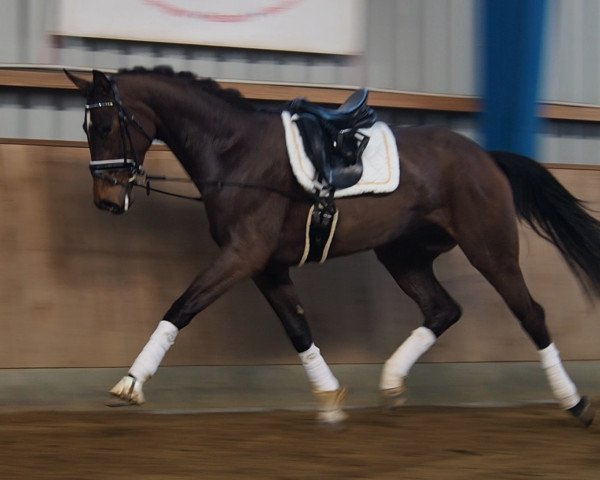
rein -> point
(148, 188)
(148, 179)
(218, 183)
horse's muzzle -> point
(110, 197)
(110, 207)
(115, 207)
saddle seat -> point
(350, 113)
(332, 139)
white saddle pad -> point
(381, 166)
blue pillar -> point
(513, 32)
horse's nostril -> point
(110, 206)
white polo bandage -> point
(402, 360)
(149, 359)
(319, 375)
(562, 386)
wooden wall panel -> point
(81, 288)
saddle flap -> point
(313, 138)
(339, 165)
(340, 174)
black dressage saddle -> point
(332, 139)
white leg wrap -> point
(320, 376)
(149, 359)
(402, 360)
(562, 386)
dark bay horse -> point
(451, 193)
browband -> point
(99, 105)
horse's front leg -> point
(227, 269)
(277, 287)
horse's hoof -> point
(584, 411)
(331, 413)
(128, 391)
(334, 420)
(393, 398)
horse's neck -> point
(200, 127)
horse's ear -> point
(81, 83)
(101, 82)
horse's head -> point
(119, 133)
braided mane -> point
(231, 95)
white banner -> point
(319, 26)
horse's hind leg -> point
(278, 289)
(492, 247)
(411, 266)
(508, 280)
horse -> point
(452, 193)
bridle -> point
(129, 162)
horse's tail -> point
(555, 215)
